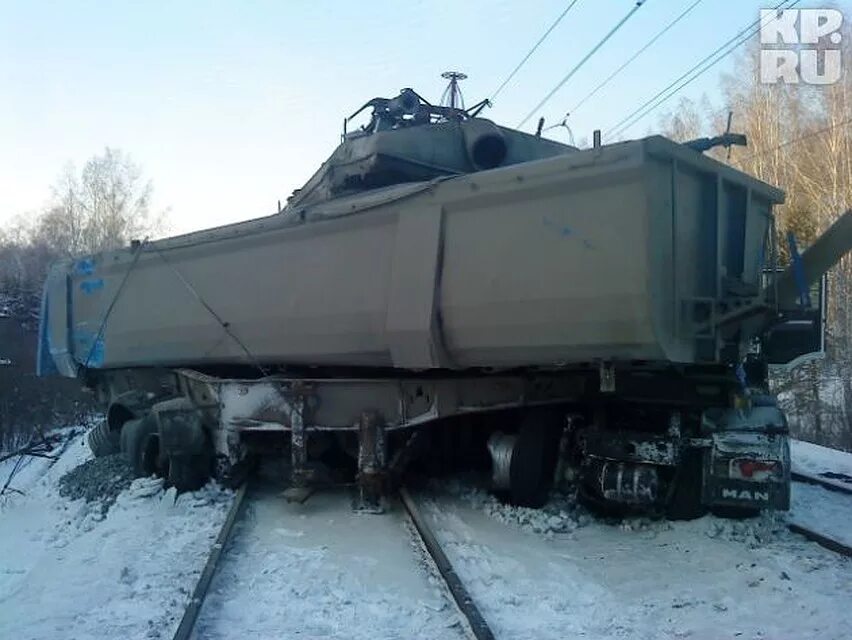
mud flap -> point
(686, 500)
(181, 428)
(184, 441)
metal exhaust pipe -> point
(485, 144)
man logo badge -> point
(744, 494)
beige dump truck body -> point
(624, 252)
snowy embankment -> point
(77, 569)
(813, 459)
(823, 511)
(561, 573)
(819, 509)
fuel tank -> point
(631, 251)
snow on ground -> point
(813, 459)
(823, 511)
(69, 571)
(320, 570)
(709, 578)
(817, 508)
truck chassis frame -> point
(702, 428)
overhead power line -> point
(585, 58)
(532, 51)
(692, 74)
(807, 136)
(650, 43)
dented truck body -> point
(627, 252)
(442, 275)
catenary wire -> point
(639, 4)
(698, 69)
(647, 46)
(523, 61)
(788, 143)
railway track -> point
(826, 483)
(190, 614)
(476, 623)
(822, 539)
(472, 622)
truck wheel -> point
(534, 458)
(136, 444)
(188, 473)
(686, 502)
(102, 441)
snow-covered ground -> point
(826, 512)
(68, 571)
(815, 507)
(709, 578)
(813, 459)
(320, 570)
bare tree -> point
(684, 123)
(104, 207)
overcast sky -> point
(228, 107)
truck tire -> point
(189, 473)
(534, 458)
(685, 503)
(135, 444)
(102, 441)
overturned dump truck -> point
(444, 289)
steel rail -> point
(825, 483)
(821, 539)
(190, 614)
(814, 536)
(480, 628)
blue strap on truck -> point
(799, 272)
